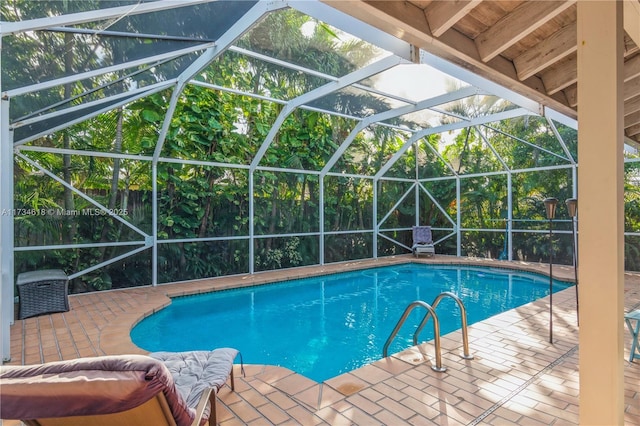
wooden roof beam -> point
(572, 95)
(632, 131)
(631, 95)
(632, 105)
(632, 68)
(631, 88)
(392, 17)
(518, 24)
(632, 119)
(442, 15)
(551, 50)
(561, 75)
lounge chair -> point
(422, 241)
(164, 388)
(635, 333)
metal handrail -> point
(436, 332)
(463, 320)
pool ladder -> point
(431, 313)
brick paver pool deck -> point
(516, 376)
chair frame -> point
(154, 411)
(420, 247)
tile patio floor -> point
(516, 377)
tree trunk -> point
(115, 178)
(124, 202)
(69, 204)
(117, 148)
(274, 218)
(303, 202)
(207, 207)
(338, 210)
(360, 214)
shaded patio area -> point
(516, 377)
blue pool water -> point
(324, 326)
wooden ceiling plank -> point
(630, 47)
(549, 51)
(632, 105)
(572, 95)
(632, 130)
(518, 24)
(443, 15)
(561, 75)
(632, 68)
(421, 3)
(631, 88)
(631, 119)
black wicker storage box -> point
(42, 292)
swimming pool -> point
(324, 326)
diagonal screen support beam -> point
(8, 28)
(558, 136)
(375, 68)
(437, 204)
(222, 44)
(102, 71)
(393, 113)
(447, 127)
(83, 195)
(490, 146)
(126, 98)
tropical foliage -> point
(223, 202)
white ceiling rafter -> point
(321, 91)
(224, 42)
(315, 73)
(128, 99)
(130, 95)
(479, 81)
(325, 13)
(518, 112)
(8, 28)
(427, 103)
(539, 148)
(283, 102)
(492, 148)
(98, 72)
